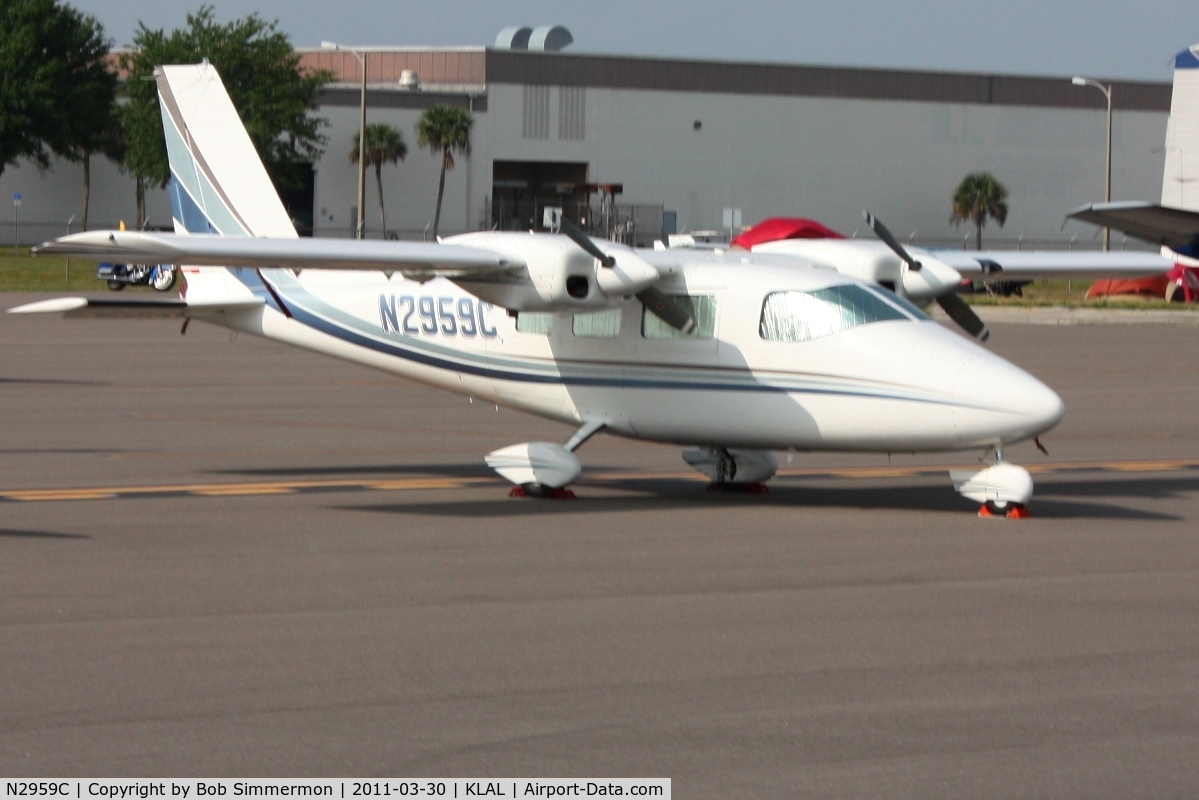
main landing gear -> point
(734, 470)
(1002, 489)
(543, 469)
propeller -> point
(880, 230)
(957, 308)
(659, 304)
(669, 312)
(961, 313)
(584, 241)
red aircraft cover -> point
(1181, 277)
(1105, 287)
(778, 228)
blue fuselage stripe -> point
(316, 322)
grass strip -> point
(27, 273)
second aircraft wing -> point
(1175, 228)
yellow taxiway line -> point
(261, 488)
(238, 489)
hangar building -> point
(643, 146)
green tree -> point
(978, 197)
(445, 130)
(56, 88)
(261, 72)
(384, 145)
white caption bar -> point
(192, 788)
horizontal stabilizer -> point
(1176, 228)
(1033, 264)
(411, 258)
(147, 308)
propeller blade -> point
(961, 313)
(880, 230)
(584, 241)
(661, 306)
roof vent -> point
(515, 37)
(409, 80)
(550, 38)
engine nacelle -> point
(874, 262)
(865, 260)
(558, 276)
(933, 279)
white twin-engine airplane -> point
(734, 354)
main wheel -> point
(116, 286)
(164, 278)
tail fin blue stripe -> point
(208, 211)
(185, 211)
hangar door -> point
(521, 189)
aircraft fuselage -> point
(895, 385)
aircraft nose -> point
(1036, 404)
(1019, 405)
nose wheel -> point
(1002, 489)
(993, 510)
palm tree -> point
(977, 197)
(445, 130)
(384, 145)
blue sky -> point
(1101, 38)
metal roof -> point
(478, 66)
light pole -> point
(360, 226)
(16, 222)
(1107, 192)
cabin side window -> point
(701, 307)
(534, 322)
(598, 324)
(801, 316)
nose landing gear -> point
(1002, 489)
(990, 510)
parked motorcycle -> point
(160, 276)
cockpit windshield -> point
(800, 316)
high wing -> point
(413, 259)
(1033, 264)
(1176, 228)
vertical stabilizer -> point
(218, 183)
(1180, 181)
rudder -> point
(218, 182)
